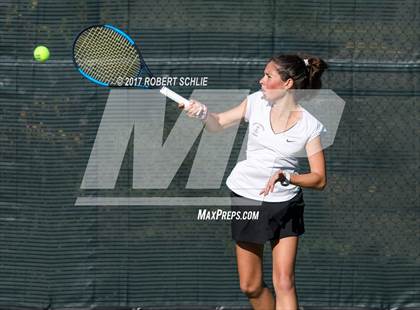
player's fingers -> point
(194, 111)
(198, 112)
(194, 108)
(264, 190)
(190, 106)
(193, 105)
(267, 189)
(190, 109)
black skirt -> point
(275, 220)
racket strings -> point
(106, 56)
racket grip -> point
(174, 96)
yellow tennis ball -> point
(41, 53)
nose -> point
(262, 80)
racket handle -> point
(174, 96)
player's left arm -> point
(316, 178)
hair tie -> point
(306, 60)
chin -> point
(266, 95)
(273, 95)
(269, 97)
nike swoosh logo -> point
(290, 140)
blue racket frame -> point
(143, 65)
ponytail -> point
(305, 71)
(316, 66)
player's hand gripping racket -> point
(107, 56)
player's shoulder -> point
(312, 124)
(256, 96)
(256, 99)
(309, 117)
(254, 105)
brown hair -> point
(303, 76)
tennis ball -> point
(41, 53)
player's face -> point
(272, 86)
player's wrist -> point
(203, 113)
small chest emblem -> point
(256, 129)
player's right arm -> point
(218, 121)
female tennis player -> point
(279, 128)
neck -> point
(285, 105)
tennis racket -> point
(107, 56)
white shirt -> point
(267, 152)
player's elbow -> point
(213, 124)
(322, 184)
(213, 129)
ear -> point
(289, 83)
